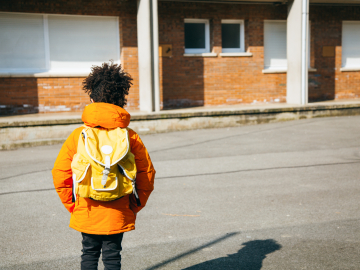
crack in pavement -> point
(192, 175)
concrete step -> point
(43, 129)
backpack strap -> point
(135, 194)
(73, 197)
(106, 149)
(133, 183)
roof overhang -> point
(275, 2)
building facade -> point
(180, 53)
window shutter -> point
(275, 45)
(77, 43)
(22, 45)
(351, 44)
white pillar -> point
(297, 52)
(148, 55)
(155, 40)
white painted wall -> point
(144, 55)
(294, 54)
(155, 40)
(148, 55)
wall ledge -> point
(271, 71)
(239, 54)
(44, 75)
(280, 70)
(200, 54)
(26, 131)
(350, 69)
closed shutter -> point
(22, 45)
(78, 42)
(275, 45)
(351, 44)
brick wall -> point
(233, 80)
(328, 82)
(188, 81)
(29, 95)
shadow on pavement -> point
(249, 257)
(228, 235)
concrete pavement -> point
(276, 196)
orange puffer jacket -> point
(97, 217)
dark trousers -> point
(110, 246)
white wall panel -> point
(275, 45)
(22, 42)
(351, 44)
(78, 42)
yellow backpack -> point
(104, 168)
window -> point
(232, 34)
(275, 45)
(56, 44)
(350, 44)
(197, 36)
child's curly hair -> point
(108, 83)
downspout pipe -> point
(304, 51)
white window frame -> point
(343, 66)
(11, 72)
(242, 37)
(207, 37)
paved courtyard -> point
(276, 196)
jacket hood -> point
(105, 115)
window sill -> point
(200, 54)
(280, 70)
(270, 71)
(239, 54)
(350, 69)
(44, 75)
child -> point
(95, 213)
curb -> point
(16, 134)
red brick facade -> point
(232, 80)
(192, 81)
(29, 95)
(328, 82)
